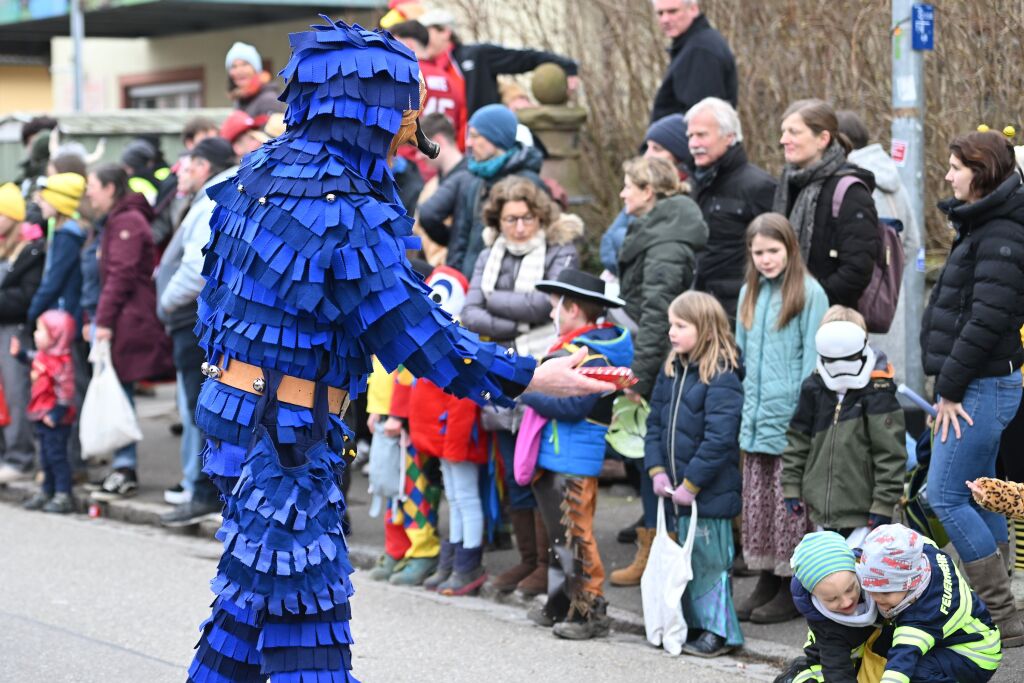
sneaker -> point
(37, 501)
(121, 483)
(60, 504)
(190, 513)
(9, 473)
(177, 495)
(708, 645)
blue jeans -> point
(191, 441)
(466, 515)
(992, 403)
(127, 457)
(53, 453)
(519, 497)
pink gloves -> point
(662, 485)
(682, 496)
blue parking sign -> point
(922, 26)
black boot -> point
(444, 566)
(627, 535)
(708, 645)
(595, 624)
(467, 574)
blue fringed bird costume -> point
(306, 279)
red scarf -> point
(578, 332)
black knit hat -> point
(577, 284)
(216, 150)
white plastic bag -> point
(663, 583)
(108, 421)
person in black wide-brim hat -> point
(570, 451)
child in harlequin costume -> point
(570, 454)
(942, 630)
(306, 280)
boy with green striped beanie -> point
(840, 616)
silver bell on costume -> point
(845, 360)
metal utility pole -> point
(78, 56)
(913, 33)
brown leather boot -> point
(526, 541)
(764, 590)
(990, 581)
(630, 575)
(536, 582)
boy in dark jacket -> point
(840, 616)
(846, 455)
(570, 454)
(943, 631)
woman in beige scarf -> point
(528, 240)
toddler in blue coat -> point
(692, 453)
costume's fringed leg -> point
(577, 520)
(227, 652)
(422, 496)
(286, 560)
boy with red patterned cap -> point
(943, 631)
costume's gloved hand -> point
(794, 506)
(683, 496)
(662, 485)
(877, 520)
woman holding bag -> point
(126, 312)
(22, 257)
(691, 453)
(530, 240)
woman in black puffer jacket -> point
(970, 341)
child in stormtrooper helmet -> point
(845, 455)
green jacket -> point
(656, 264)
(846, 460)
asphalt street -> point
(92, 600)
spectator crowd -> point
(756, 314)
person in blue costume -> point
(307, 278)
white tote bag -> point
(108, 421)
(663, 583)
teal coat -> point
(777, 362)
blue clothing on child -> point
(572, 442)
(61, 287)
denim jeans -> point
(519, 497)
(53, 454)
(127, 457)
(188, 357)
(191, 441)
(992, 403)
(466, 512)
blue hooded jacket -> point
(572, 442)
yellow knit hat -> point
(12, 204)
(63, 191)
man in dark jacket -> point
(179, 280)
(481, 63)
(730, 191)
(702, 65)
(494, 155)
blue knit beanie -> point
(497, 123)
(820, 554)
(670, 132)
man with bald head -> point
(702, 65)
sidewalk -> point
(160, 468)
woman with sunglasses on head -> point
(970, 342)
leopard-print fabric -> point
(1004, 497)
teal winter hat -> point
(497, 123)
(820, 554)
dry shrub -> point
(785, 50)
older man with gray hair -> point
(730, 191)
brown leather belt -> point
(292, 390)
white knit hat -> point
(245, 52)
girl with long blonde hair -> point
(692, 455)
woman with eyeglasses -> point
(528, 239)
(657, 263)
(970, 342)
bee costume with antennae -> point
(306, 279)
